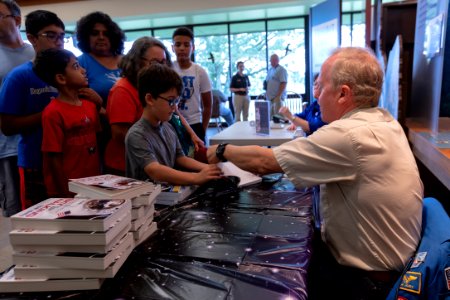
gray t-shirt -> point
(145, 144)
(275, 77)
(11, 58)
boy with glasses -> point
(13, 52)
(24, 96)
(153, 150)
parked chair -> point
(427, 275)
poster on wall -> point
(262, 117)
(324, 40)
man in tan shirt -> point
(371, 192)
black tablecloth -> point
(223, 243)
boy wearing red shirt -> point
(69, 123)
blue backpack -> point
(427, 275)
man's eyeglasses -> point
(172, 102)
(53, 36)
(6, 16)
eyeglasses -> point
(155, 61)
(172, 102)
(6, 16)
(53, 36)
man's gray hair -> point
(360, 70)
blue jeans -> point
(226, 114)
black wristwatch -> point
(220, 151)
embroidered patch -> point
(447, 277)
(411, 282)
(420, 258)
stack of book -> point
(61, 240)
(141, 194)
(172, 194)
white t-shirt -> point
(195, 82)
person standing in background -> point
(239, 86)
(276, 81)
(196, 97)
(69, 122)
(102, 42)
(13, 52)
(23, 97)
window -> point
(248, 44)
(353, 29)
(286, 38)
(211, 52)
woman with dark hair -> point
(124, 107)
(102, 43)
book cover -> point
(110, 187)
(74, 260)
(172, 194)
(262, 117)
(43, 272)
(246, 178)
(72, 214)
(10, 283)
(31, 236)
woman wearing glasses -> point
(124, 108)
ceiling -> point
(136, 14)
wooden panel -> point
(437, 160)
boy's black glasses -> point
(172, 102)
(53, 36)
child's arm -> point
(198, 143)
(188, 163)
(56, 172)
(12, 124)
(162, 173)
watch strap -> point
(220, 150)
